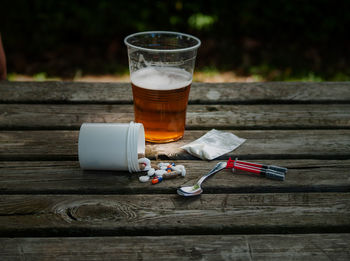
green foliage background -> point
(279, 40)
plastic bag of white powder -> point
(213, 144)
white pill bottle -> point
(111, 146)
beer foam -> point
(161, 78)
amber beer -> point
(161, 66)
(160, 101)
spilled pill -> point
(144, 178)
(151, 172)
(162, 164)
(160, 172)
(157, 180)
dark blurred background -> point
(270, 40)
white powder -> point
(213, 144)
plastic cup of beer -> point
(161, 68)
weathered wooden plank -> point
(310, 247)
(281, 92)
(73, 215)
(20, 116)
(66, 177)
(329, 144)
(267, 144)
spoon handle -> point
(218, 167)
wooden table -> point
(51, 209)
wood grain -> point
(212, 248)
(260, 144)
(66, 177)
(73, 215)
(272, 92)
(48, 116)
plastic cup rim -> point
(162, 50)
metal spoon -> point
(196, 189)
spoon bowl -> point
(196, 189)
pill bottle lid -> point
(135, 145)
